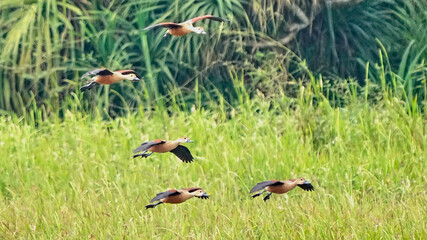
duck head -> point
(199, 30)
(132, 77)
(184, 140)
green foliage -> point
(390, 35)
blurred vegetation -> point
(273, 45)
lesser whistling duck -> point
(280, 187)
(163, 146)
(107, 77)
(174, 196)
(184, 28)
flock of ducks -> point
(104, 76)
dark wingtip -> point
(204, 197)
(219, 19)
(306, 186)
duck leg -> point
(88, 86)
(256, 195)
(142, 155)
(267, 197)
(166, 33)
(153, 205)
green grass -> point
(74, 177)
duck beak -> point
(135, 79)
(189, 141)
(203, 32)
(307, 182)
(205, 196)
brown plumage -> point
(174, 196)
(280, 187)
(163, 146)
(184, 28)
(106, 77)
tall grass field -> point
(74, 177)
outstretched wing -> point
(99, 72)
(210, 17)
(265, 184)
(183, 153)
(145, 146)
(165, 25)
(306, 186)
(166, 194)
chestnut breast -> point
(177, 198)
(280, 189)
(164, 147)
(180, 31)
(107, 80)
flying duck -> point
(174, 196)
(184, 28)
(163, 146)
(280, 187)
(106, 77)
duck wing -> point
(146, 145)
(98, 72)
(165, 194)
(265, 184)
(165, 25)
(306, 186)
(183, 153)
(210, 17)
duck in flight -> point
(280, 187)
(163, 146)
(184, 28)
(174, 196)
(104, 76)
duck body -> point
(174, 196)
(178, 198)
(280, 187)
(180, 31)
(164, 146)
(104, 76)
(184, 28)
